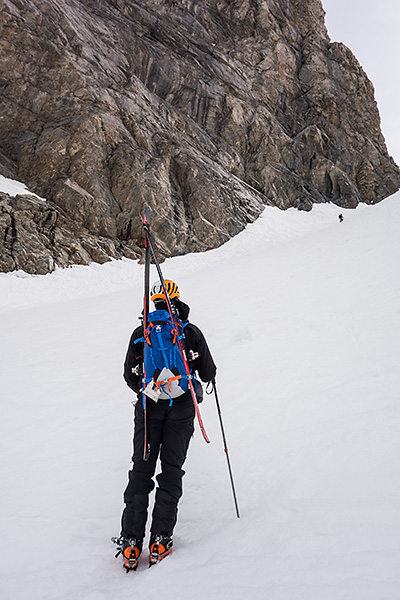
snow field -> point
(302, 316)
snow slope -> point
(302, 315)
(13, 187)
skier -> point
(171, 425)
(341, 218)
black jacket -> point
(194, 342)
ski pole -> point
(225, 448)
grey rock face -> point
(203, 110)
(36, 236)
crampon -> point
(160, 547)
(130, 549)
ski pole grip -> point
(208, 390)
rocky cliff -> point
(205, 110)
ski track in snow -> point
(302, 316)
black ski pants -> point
(171, 428)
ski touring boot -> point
(160, 546)
(130, 548)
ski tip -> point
(146, 216)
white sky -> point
(371, 29)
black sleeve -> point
(133, 361)
(196, 342)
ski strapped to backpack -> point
(146, 221)
(186, 375)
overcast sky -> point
(371, 29)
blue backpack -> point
(164, 368)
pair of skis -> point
(149, 251)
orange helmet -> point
(157, 291)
